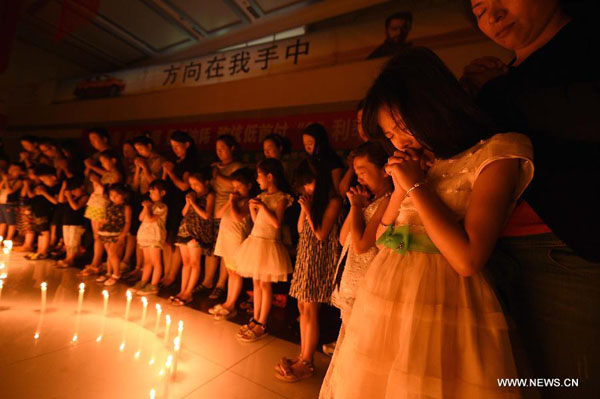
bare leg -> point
(147, 270)
(223, 273)
(185, 271)
(43, 242)
(3, 230)
(156, 258)
(98, 246)
(209, 271)
(129, 249)
(194, 272)
(234, 288)
(11, 232)
(257, 299)
(311, 331)
(266, 301)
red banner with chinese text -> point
(249, 132)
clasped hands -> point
(408, 167)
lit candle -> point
(8, 244)
(167, 328)
(179, 330)
(104, 313)
(80, 299)
(79, 306)
(152, 394)
(43, 287)
(1, 286)
(105, 295)
(158, 313)
(128, 305)
(176, 347)
(145, 303)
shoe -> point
(148, 289)
(138, 287)
(329, 348)
(215, 309)
(217, 293)
(102, 278)
(202, 290)
(36, 256)
(225, 314)
(112, 281)
(255, 334)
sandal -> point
(201, 290)
(286, 362)
(251, 335)
(112, 280)
(89, 271)
(297, 372)
(224, 314)
(217, 293)
(103, 278)
(215, 309)
(248, 326)
(36, 256)
(180, 302)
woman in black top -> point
(317, 147)
(550, 92)
(176, 171)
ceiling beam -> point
(267, 26)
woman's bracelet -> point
(414, 187)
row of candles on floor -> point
(7, 248)
(170, 364)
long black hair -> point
(274, 167)
(308, 172)
(323, 150)
(180, 136)
(425, 97)
(247, 176)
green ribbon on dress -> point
(401, 240)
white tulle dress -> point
(417, 328)
(262, 255)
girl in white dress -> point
(262, 256)
(233, 230)
(426, 322)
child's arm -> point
(50, 198)
(210, 206)
(275, 217)
(222, 210)
(145, 210)
(61, 193)
(364, 237)
(185, 208)
(253, 209)
(81, 202)
(17, 185)
(127, 223)
(329, 218)
(154, 216)
(300, 225)
(239, 210)
(97, 169)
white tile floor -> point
(212, 362)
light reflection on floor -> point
(54, 345)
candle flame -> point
(137, 355)
(145, 301)
(3, 275)
(8, 244)
(169, 361)
(168, 319)
(122, 346)
(151, 362)
(176, 344)
(81, 287)
(158, 308)
(128, 295)
(105, 293)
(99, 338)
(180, 324)
(36, 335)
(152, 394)
(44, 285)
(74, 338)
